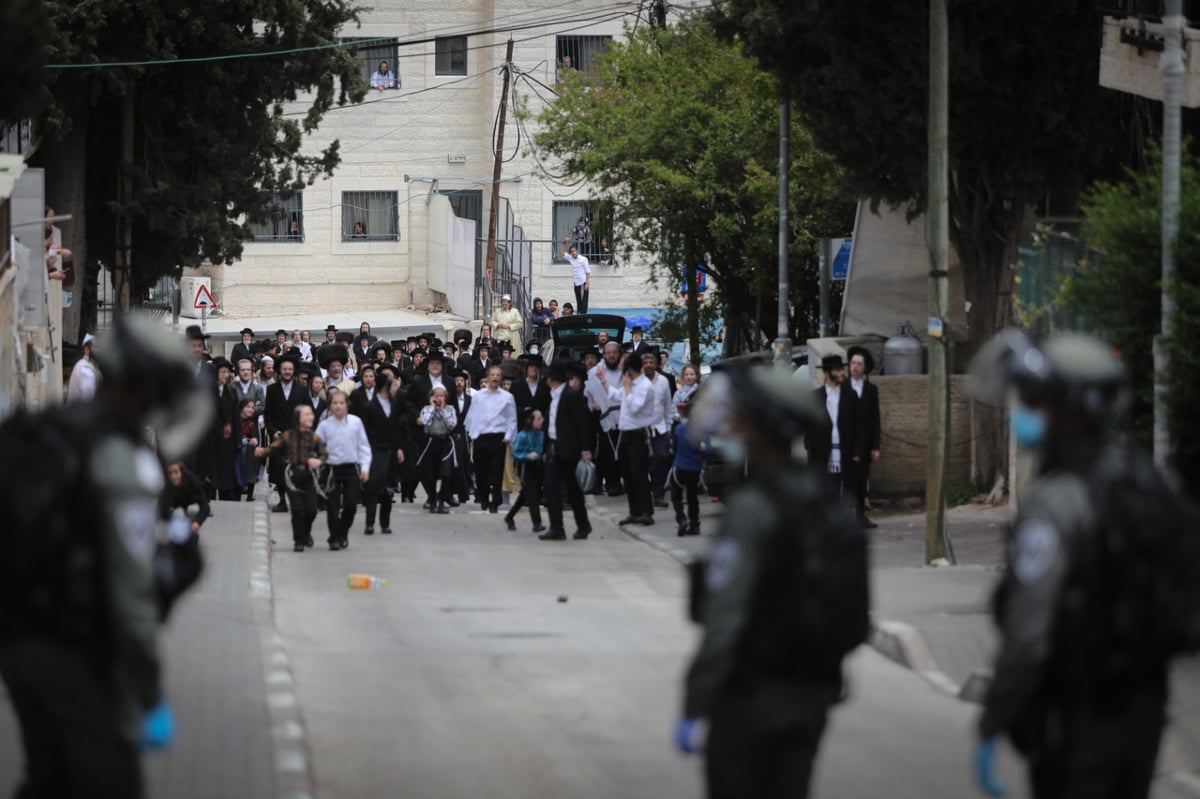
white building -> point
(381, 233)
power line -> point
(436, 34)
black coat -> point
(418, 392)
(359, 401)
(241, 352)
(573, 426)
(819, 443)
(279, 412)
(476, 368)
(529, 400)
(386, 432)
(869, 425)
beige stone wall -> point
(402, 144)
(904, 407)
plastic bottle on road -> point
(363, 581)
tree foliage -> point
(212, 139)
(680, 131)
(1121, 295)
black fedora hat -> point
(247, 331)
(291, 356)
(397, 344)
(830, 362)
(194, 333)
(557, 370)
(345, 337)
(330, 328)
(220, 361)
(331, 353)
(436, 355)
(280, 332)
(868, 358)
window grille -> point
(579, 53)
(285, 221)
(450, 55)
(370, 216)
(369, 57)
(588, 225)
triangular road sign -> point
(204, 298)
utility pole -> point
(499, 154)
(1173, 68)
(783, 344)
(938, 233)
(824, 264)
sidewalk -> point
(213, 670)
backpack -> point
(46, 499)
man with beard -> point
(609, 410)
(279, 408)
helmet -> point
(769, 397)
(148, 360)
(1069, 372)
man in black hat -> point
(636, 346)
(362, 349)
(281, 343)
(478, 365)
(862, 363)
(831, 448)
(243, 349)
(568, 441)
(279, 411)
(333, 360)
(365, 330)
(361, 396)
(532, 393)
(401, 356)
(381, 351)
(331, 334)
(198, 340)
(434, 375)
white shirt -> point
(83, 381)
(833, 396)
(555, 396)
(492, 412)
(382, 80)
(286, 388)
(610, 407)
(580, 269)
(857, 385)
(661, 405)
(345, 441)
(637, 408)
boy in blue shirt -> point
(685, 475)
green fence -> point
(1052, 256)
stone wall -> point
(904, 407)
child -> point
(437, 459)
(302, 454)
(527, 454)
(246, 465)
(686, 475)
(184, 491)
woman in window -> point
(383, 78)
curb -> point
(674, 552)
(289, 737)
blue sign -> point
(701, 282)
(841, 261)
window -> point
(451, 55)
(579, 53)
(370, 55)
(588, 225)
(285, 221)
(370, 216)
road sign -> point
(701, 282)
(841, 261)
(204, 298)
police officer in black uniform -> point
(785, 597)
(79, 622)
(1080, 684)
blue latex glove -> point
(158, 728)
(985, 761)
(687, 736)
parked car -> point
(571, 335)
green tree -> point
(211, 139)
(1121, 295)
(679, 131)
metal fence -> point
(1055, 252)
(161, 300)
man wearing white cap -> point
(84, 376)
(507, 323)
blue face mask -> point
(1028, 426)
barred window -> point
(450, 55)
(588, 225)
(285, 221)
(579, 53)
(370, 54)
(370, 216)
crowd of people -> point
(358, 421)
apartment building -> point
(404, 217)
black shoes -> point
(616, 492)
(628, 520)
(454, 503)
(581, 535)
(694, 528)
(493, 509)
(509, 523)
(386, 531)
(298, 548)
(334, 546)
(537, 528)
(280, 508)
(370, 530)
(682, 529)
(308, 542)
(553, 535)
(868, 524)
(661, 502)
(441, 508)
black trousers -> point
(379, 490)
(70, 721)
(531, 492)
(581, 299)
(560, 482)
(437, 464)
(304, 511)
(633, 453)
(685, 480)
(744, 761)
(1104, 756)
(660, 464)
(343, 500)
(608, 470)
(461, 481)
(489, 468)
(275, 467)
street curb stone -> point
(289, 737)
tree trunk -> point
(66, 193)
(988, 264)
